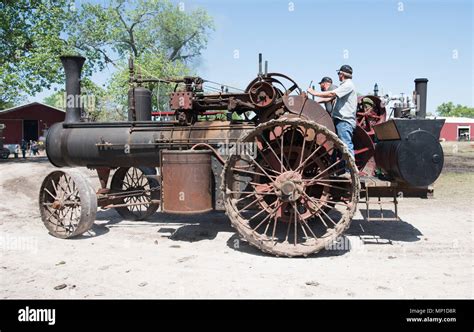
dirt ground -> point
(429, 254)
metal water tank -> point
(186, 181)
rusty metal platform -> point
(373, 187)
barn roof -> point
(16, 108)
(453, 119)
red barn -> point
(28, 121)
(457, 129)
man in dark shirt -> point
(326, 85)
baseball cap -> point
(325, 79)
(346, 69)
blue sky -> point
(386, 42)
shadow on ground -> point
(235, 242)
(198, 227)
(385, 231)
(178, 227)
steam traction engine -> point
(276, 171)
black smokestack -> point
(421, 91)
(72, 68)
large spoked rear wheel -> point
(136, 193)
(290, 196)
(68, 203)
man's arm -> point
(323, 94)
(325, 100)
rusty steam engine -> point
(277, 171)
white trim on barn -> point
(453, 119)
(16, 108)
(464, 127)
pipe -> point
(72, 69)
(259, 64)
(131, 91)
(421, 92)
(218, 156)
(131, 105)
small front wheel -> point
(68, 203)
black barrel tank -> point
(409, 151)
(126, 144)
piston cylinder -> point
(139, 102)
(186, 181)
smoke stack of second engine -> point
(420, 89)
(72, 68)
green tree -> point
(30, 43)
(163, 37)
(151, 66)
(124, 27)
(55, 99)
(93, 97)
(449, 109)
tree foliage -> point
(30, 43)
(163, 37)
(151, 66)
(449, 109)
(124, 28)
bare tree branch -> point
(175, 54)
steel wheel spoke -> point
(296, 228)
(322, 210)
(301, 166)
(275, 154)
(269, 215)
(250, 172)
(325, 170)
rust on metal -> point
(291, 194)
(187, 185)
(103, 173)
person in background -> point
(34, 148)
(326, 85)
(40, 147)
(17, 150)
(24, 147)
(30, 146)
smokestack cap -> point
(71, 56)
(78, 57)
(421, 80)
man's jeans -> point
(344, 131)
